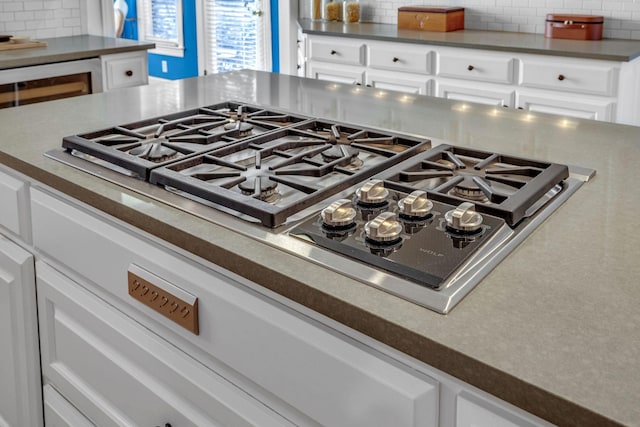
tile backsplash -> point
(621, 17)
(41, 18)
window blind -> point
(236, 35)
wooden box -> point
(430, 18)
(575, 27)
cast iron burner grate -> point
(141, 146)
(277, 174)
(504, 186)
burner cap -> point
(261, 187)
(243, 128)
(339, 151)
(155, 152)
(468, 189)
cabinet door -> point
(478, 93)
(117, 372)
(583, 107)
(20, 388)
(399, 82)
(335, 73)
(14, 214)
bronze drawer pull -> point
(470, 67)
(395, 59)
(129, 73)
(333, 52)
(561, 77)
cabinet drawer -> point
(400, 58)
(117, 372)
(598, 78)
(58, 412)
(584, 107)
(465, 65)
(474, 411)
(337, 51)
(125, 70)
(14, 214)
(323, 375)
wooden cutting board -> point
(27, 45)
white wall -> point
(622, 17)
(41, 18)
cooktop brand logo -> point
(430, 252)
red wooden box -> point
(576, 27)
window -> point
(160, 21)
(237, 35)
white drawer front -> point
(598, 78)
(125, 70)
(58, 412)
(338, 51)
(13, 208)
(473, 411)
(118, 373)
(328, 379)
(584, 107)
(400, 58)
(461, 65)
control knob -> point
(384, 228)
(464, 218)
(339, 213)
(415, 205)
(372, 192)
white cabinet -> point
(117, 372)
(58, 412)
(568, 87)
(125, 70)
(475, 411)
(20, 388)
(14, 208)
(321, 376)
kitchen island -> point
(552, 329)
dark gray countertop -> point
(606, 49)
(552, 329)
(69, 49)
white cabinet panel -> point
(335, 73)
(470, 65)
(328, 379)
(331, 49)
(58, 412)
(400, 82)
(473, 411)
(481, 94)
(578, 75)
(125, 70)
(14, 214)
(583, 107)
(20, 388)
(117, 372)
(400, 57)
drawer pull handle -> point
(129, 73)
(333, 52)
(470, 67)
(396, 59)
(164, 298)
(561, 77)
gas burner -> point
(154, 152)
(260, 187)
(346, 152)
(242, 128)
(468, 188)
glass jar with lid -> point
(315, 9)
(351, 11)
(332, 10)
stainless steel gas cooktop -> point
(424, 223)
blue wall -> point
(180, 68)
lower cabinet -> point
(58, 412)
(118, 373)
(583, 107)
(20, 388)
